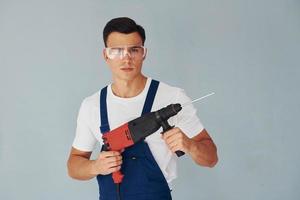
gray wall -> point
(245, 51)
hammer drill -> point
(138, 129)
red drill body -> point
(118, 138)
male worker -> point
(150, 165)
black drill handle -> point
(104, 147)
(166, 126)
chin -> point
(129, 76)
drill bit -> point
(188, 103)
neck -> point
(128, 88)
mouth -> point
(127, 69)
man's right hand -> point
(107, 163)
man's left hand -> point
(177, 140)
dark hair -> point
(122, 25)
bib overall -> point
(143, 179)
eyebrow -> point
(133, 46)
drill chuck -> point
(169, 111)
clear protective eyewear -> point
(120, 52)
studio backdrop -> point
(247, 52)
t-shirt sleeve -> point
(187, 119)
(84, 139)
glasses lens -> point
(114, 52)
(120, 53)
(136, 52)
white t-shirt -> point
(121, 110)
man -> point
(150, 165)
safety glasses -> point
(134, 52)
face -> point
(129, 65)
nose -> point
(126, 54)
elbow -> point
(209, 161)
(213, 162)
(214, 159)
(72, 171)
(69, 169)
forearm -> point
(203, 152)
(80, 168)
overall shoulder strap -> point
(103, 111)
(150, 97)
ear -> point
(146, 51)
(104, 55)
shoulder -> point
(91, 102)
(166, 86)
(167, 94)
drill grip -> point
(117, 175)
(166, 126)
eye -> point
(135, 49)
(116, 51)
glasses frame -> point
(125, 48)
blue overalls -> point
(143, 179)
